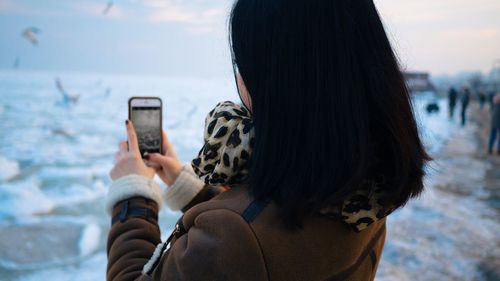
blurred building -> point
(486, 83)
(418, 82)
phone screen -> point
(147, 124)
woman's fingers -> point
(151, 164)
(117, 157)
(133, 145)
(158, 159)
(167, 145)
(168, 163)
(171, 167)
(122, 150)
(123, 147)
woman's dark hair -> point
(330, 105)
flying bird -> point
(16, 63)
(30, 35)
(108, 8)
(67, 98)
(107, 92)
(62, 132)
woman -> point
(336, 150)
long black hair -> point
(330, 105)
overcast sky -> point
(189, 38)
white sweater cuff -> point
(184, 189)
(132, 186)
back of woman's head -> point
(330, 106)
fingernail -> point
(126, 122)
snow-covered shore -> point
(451, 231)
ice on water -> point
(55, 159)
(9, 168)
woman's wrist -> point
(185, 187)
(132, 186)
(176, 171)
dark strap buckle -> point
(123, 212)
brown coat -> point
(230, 238)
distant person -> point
(465, 104)
(495, 125)
(482, 99)
(452, 101)
(490, 99)
(336, 150)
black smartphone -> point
(146, 115)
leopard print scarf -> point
(228, 140)
(223, 159)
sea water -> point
(55, 157)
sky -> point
(189, 37)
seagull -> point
(29, 33)
(62, 132)
(108, 7)
(67, 98)
(16, 63)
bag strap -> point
(127, 212)
(369, 250)
(254, 209)
(153, 262)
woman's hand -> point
(128, 159)
(167, 166)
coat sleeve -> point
(220, 245)
(189, 190)
(131, 243)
